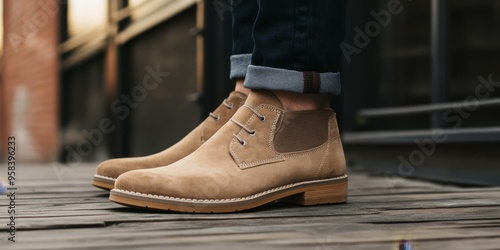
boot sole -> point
(327, 191)
(103, 182)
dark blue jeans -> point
(291, 45)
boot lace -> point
(227, 105)
(251, 132)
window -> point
(86, 16)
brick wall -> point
(30, 78)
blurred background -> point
(87, 80)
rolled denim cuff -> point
(239, 65)
(260, 77)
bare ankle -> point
(297, 101)
(240, 88)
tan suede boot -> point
(261, 155)
(108, 171)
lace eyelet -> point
(216, 117)
(243, 143)
(252, 133)
(228, 105)
(262, 118)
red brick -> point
(32, 65)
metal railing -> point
(364, 114)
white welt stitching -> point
(105, 177)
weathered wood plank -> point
(381, 210)
(303, 233)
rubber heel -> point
(325, 194)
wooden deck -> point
(56, 208)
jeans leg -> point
(244, 14)
(296, 46)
